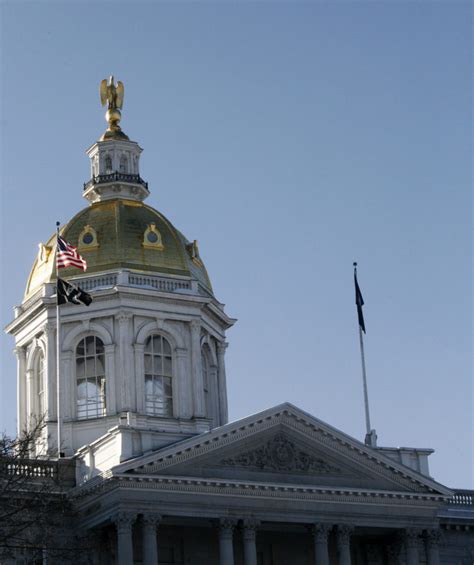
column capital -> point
(433, 537)
(411, 537)
(124, 520)
(226, 526)
(123, 317)
(151, 519)
(222, 346)
(344, 533)
(195, 326)
(181, 352)
(249, 528)
(320, 532)
(20, 352)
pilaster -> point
(21, 389)
(111, 380)
(68, 378)
(127, 384)
(139, 355)
(196, 363)
(183, 394)
(223, 407)
(50, 386)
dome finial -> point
(112, 95)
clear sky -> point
(290, 139)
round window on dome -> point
(152, 238)
(88, 239)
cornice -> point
(252, 489)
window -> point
(108, 165)
(90, 375)
(158, 374)
(40, 384)
(123, 164)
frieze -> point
(280, 454)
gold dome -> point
(122, 234)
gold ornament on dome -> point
(152, 238)
(112, 95)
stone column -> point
(124, 522)
(320, 535)
(150, 547)
(226, 545)
(411, 544)
(21, 389)
(344, 533)
(433, 537)
(198, 385)
(249, 533)
(223, 409)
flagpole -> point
(370, 437)
(58, 394)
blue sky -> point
(290, 139)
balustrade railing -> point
(159, 283)
(164, 284)
(115, 177)
(462, 498)
(62, 471)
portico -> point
(276, 486)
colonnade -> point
(409, 539)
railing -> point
(462, 498)
(159, 283)
(115, 177)
(95, 282)
(62, 471)
(164, 284)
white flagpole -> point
(58, 389)
(370, 437)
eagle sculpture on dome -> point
(111, 93)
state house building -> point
(159, 473)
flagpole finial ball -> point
(354, 264)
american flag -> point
(67, 256)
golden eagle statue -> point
(112, 95)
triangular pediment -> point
(282, 445)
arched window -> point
(158, 375)
(90, 375)
(40, 374)
(123, 164)
(108, 164)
